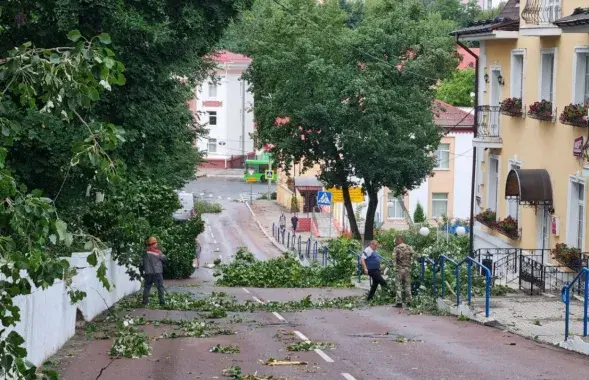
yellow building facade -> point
(531, 170)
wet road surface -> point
(378, 343)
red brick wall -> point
(304, 225)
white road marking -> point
(278, 316)
(324, 355)
(245, 290)
(215, 241)
(258, 300)
(301, 336)
(347, 376)
(212, 235)
(228, 198)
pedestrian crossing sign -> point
(269, 174)
(324, 198)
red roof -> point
(225, 56)
(448, 116)
(467, 60)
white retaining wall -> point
(48, 319)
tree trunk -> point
(406, 214)
(351, 215)
(372, 205)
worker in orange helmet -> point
(153, 269)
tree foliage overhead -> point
(457, 90)
(359, 100)
(159, 42)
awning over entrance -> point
(308, 183)
(531, 186)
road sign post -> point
(269, 174)
(324, 199)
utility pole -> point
(474, 148)
(242, 118)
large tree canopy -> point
(355, 100)
(159, 42)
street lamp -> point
(251, 173)
(460, 231)
(424, 231)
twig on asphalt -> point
(104, 368)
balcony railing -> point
(488, 122)
(541, 12)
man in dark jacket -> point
(153, 269)
(370, 261)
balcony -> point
(488, 127)
(539, 16)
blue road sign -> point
(324, 198)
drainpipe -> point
(474, 149)
(243, 118)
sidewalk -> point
(539, 317)
(268, 212)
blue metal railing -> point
(469, 263)
(566, 298)
(442, 260)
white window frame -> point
(213, 113)
(544, 52)
(513, 78)
(497, 87)
(572, 213)
(213, 89)
(393, 201)
(440, 200)
(579, 72)
(494, 157)
(482, 68)
(212, 142)
(514, 162)
(440, 159)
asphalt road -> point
(380, 343)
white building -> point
(224, 106)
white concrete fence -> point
(48, 318)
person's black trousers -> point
(158, 280)
(376, 280)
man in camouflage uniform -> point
(403, 261)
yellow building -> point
(531, 165)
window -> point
(493, 183)
(547, 76)
(517, 73)
(513, 203)
(212, 117)
(212, 90)
(212, 148)
(443, 156)
(576, 213)
(395, 210)
(439, 205)
(581, 76)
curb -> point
(272, 240)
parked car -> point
(187, 211)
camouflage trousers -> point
(403, 282)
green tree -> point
(418, 214)
(164, 45)
(62, 81)
(457, 90)
(357, 94)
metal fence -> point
(308, 249)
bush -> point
(288, 272)
(177, 243)
(418, 215)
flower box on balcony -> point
(568, 256)
(541, 110)
(512, 107)
(507, 226)
(574, 114)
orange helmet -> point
(151, 240)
